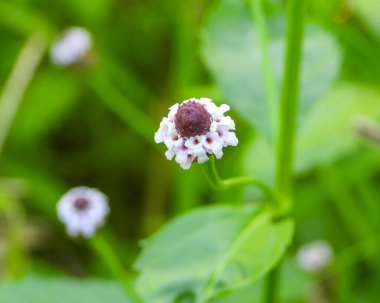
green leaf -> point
(295, 287)
(37, 290)
(208, 251)
(231, 51)
(328, 131)
(325, 133)
(369, 11)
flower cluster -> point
(315, 256)
(83, 210)
(196, 129)
(71, 47)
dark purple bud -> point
(192, 119)
(81, 204)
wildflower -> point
(315, 256)
(73, 45)
(82, 210)
(194, 130)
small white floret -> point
(315, 256)
(71, 47)
(82, 210)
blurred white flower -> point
(71, 46)
(82, 210)
(315, 256)
(196, 129)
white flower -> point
(315, 256)
(71, 47)
(196, 129)
(82, 210)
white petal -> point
(231, 139)
(159, 137)
(213, 142)
(173, 111)
(227, 121)
(205, 101)
(224, 108)
(213, 126)
(218, 153)
(169, 154)
(193, 142)
(181, 158)
(187, 164)
(173, 140)
(202, 158)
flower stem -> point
(289, 102)
(212, 176)
(107, 254)
(271, 285)
(286, 133)
(21, 75)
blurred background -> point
(92, 123)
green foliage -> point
(210, 251)
(232, 53)
(94, 126)
(37, 290)
(326, 132)
(295, 287)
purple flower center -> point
(192, 119)
(81, 204)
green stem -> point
(271, 285)
(289, 102)
(288, 115)
(21, 75)
(124, 108)
(212, 176)
(258, 15)
(107, 254)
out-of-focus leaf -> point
(232, 53)
(325, 133)
(51, 96)
(369, 10)
(209, 251)
(37, 290)
(295, 286)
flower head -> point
(82, 210)
(71, 47)
(196, 129)
(315, 256)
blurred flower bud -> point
(82, 210)
(73, 47)
(315, 256)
